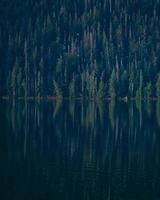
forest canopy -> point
(80, 48)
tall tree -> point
(158, 86)
(112, 84)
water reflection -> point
(80, 150)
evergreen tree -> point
(131, 84)
(158, 86)
(72, 87)
(112, 85)
(58, 91)
(148, 91)
(139, 90)
(101, 89)
(13, 80)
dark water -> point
(79, 151)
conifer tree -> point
(158, 86)
(72, 87)
(139, 90)
(58, 91)
(112, 85)
(148, 91)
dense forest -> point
(80, 48)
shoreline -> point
(125, 99)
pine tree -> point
(158, 86)
(148, 91)
(58, 91)
(139, 90)
(26, 69)
(112, 85)
(101, 88)
(72, 88)
(13, 80)
(131, 84)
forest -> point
(80, 48)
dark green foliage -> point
(158, 86)
(112, 84)
(148, 91)
(91, 48)
(139, 91)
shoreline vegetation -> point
(125, 99)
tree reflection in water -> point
(80, 150)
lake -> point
(79, 150)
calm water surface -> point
(79, 150)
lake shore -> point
(78, 98)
